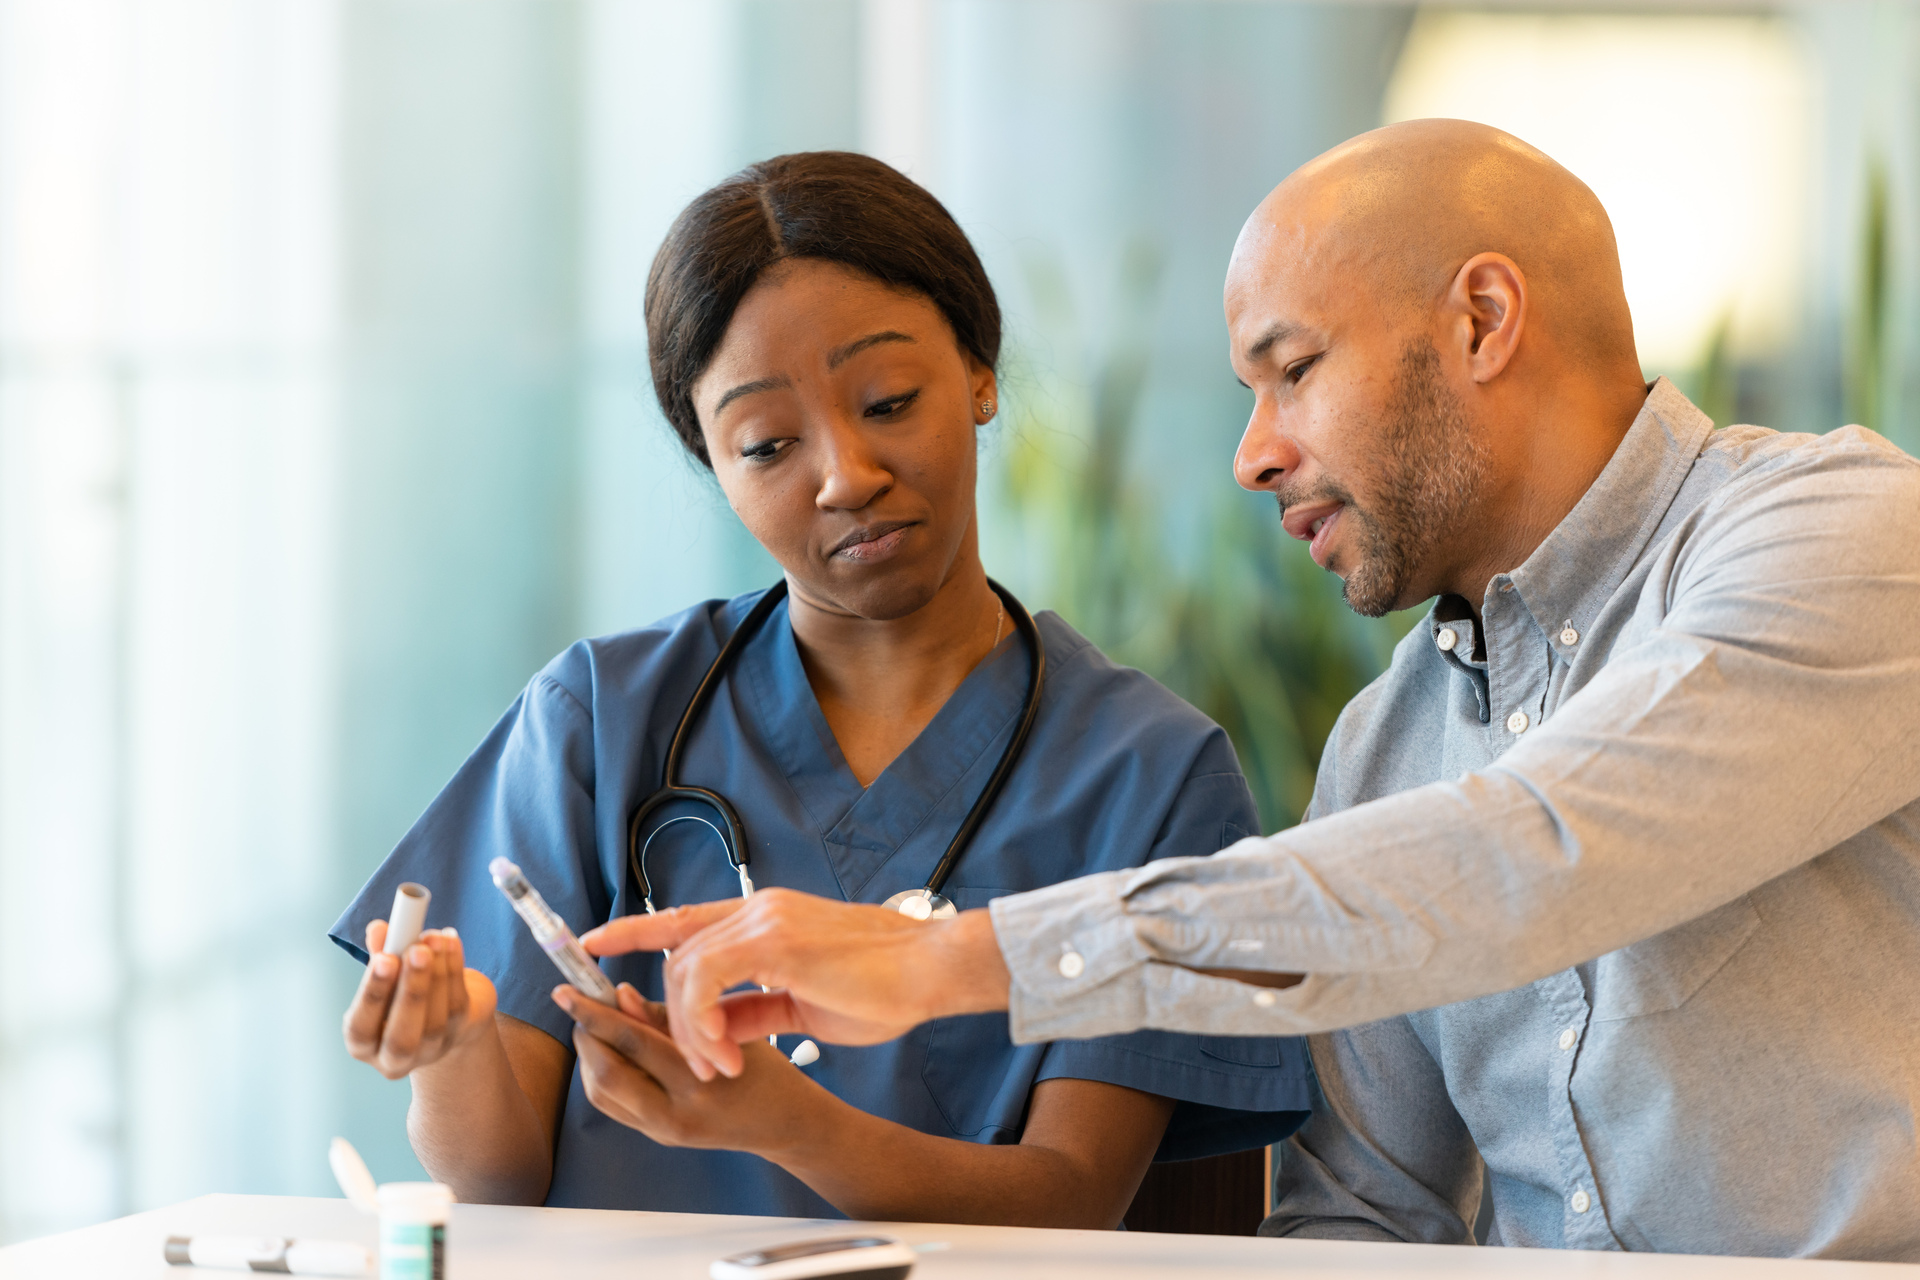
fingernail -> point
(418, 956)
(384, 965)
(451, 932)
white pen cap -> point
(327, 1258)
(409, 916)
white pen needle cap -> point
(350, 1171)
(408, 917)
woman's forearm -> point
(871, 1168)
(474, 1128)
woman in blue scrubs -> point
(823, 338)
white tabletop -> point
(489, 1241)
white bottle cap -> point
(426, 1202)
(408, 917)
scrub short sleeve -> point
(525, 794)
(1232, 1092)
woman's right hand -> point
(416, 1009)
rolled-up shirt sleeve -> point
(1768, 711)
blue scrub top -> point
(1118, 771)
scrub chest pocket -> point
(984, 1105)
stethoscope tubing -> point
(734, 838)
(1029, 712)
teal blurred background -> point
(324, 419)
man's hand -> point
(841, 973)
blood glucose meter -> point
(856, 1257)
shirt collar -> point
(1581, 564)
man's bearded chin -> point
(1427, 483)
(1380, 569)
(1386, 566)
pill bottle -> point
(413, 1230)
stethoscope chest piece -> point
(922, 904)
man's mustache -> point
(1320, 491)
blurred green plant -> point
(1870, 333)
(1245, 627)
(1712, 387)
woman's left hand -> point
(634, 1073)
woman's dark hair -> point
(833, 206)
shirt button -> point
(1580, 1202)
(1568, 636)
(1072, 965)
(1567, 1038)
(1447, 638)
(1264, 998)
(1517, 722)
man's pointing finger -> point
(662, 932)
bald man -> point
(1610, 887)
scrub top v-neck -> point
(1118, 771)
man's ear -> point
(1489, 301)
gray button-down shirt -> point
(1621, 894)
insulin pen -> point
(551, 932)
(268, 1253)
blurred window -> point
(1693, 131)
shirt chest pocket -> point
(1665, 971)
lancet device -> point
(551, 932)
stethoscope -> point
(926, 903)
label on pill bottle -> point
(413, 1251)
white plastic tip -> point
(407, 919)
(805, 1054)
(350, 1171)
(502, 869)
